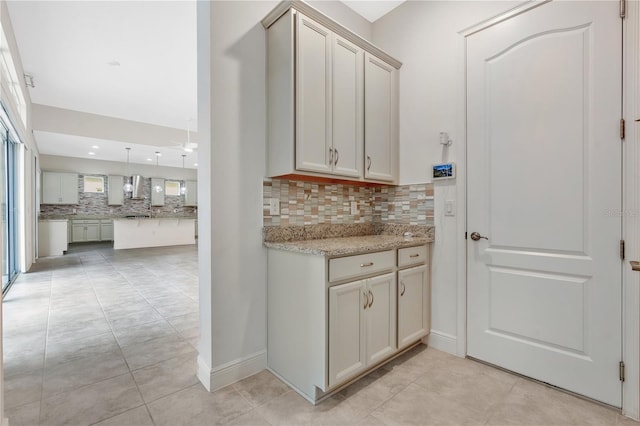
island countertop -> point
(344, 246)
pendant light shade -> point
(128, 186)
(183, 184)
(158, 188)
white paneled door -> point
(544, 186)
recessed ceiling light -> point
(188, 150)
(92, 153)
(195, 164)
(95, 147)
(113, 63)
(149, 159)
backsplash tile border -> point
(305, 203)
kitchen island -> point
(152, 232)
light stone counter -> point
(348, 245)
(152, 232)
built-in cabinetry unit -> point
(157, 197)
(332, 99)
(86, 230)
(59, 188)
(115, 195)
(191, 194)
(52, 237)
(330, 320)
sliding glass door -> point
(9, 206)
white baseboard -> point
(443, 342)
(231, 372)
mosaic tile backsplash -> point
(95, 204)
(310, 203)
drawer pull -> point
(370, 303)
(366, 299)
(415, 255)
(403, 288)
(364, 265)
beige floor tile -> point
(166, 377)
(74, 374)
(195, 406)
(261, 388)
(134, 319)
(625, 421)
(154, 351)
(91, 404)
(136, 417)
(252, 418)
(466, 382)
(141, 333)
(530, 403)
(61, 351)
(292, 409)
(79, 329)
(418, 406)
(24, 415)
(22, 388)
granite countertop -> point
(348, 245)
(86, 217)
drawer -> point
(360, 265)
(412, 256)
(85, 221)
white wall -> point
(424, 36)
(344, 15)
(100, 167)
(232, 159)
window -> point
(172, 187)
(94, 184)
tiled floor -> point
(108, 338)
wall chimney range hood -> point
(137, 192)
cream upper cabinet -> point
(381, 119)
(115, 196)
(59, 188)
(347, 112)
(313, 96)
(157, 192)
(316, 107)
(191, 193)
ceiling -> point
(132, 60)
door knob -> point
(475, 236)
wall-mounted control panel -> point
(444, 171)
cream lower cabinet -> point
(85, 230)
(330, 320)
(413, 305)
(362, 326)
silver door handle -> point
(403, 288)
(370, 303)
(366, 299)
(475, 236)
(330, 156)
(364, 265)
(368, 162)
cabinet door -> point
(78, 233)
(69, 188)
(313, 96)
(413, 305)
(347, 102)
(381, 318)
(106, 232)
(93, 231)
(380, 117)
(115, 196)
(191, 196)
(51, 188)
(347, 357)
(157, 196)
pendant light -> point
(157, 188)
(128, 186)
(183, 184)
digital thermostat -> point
(444, 171)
